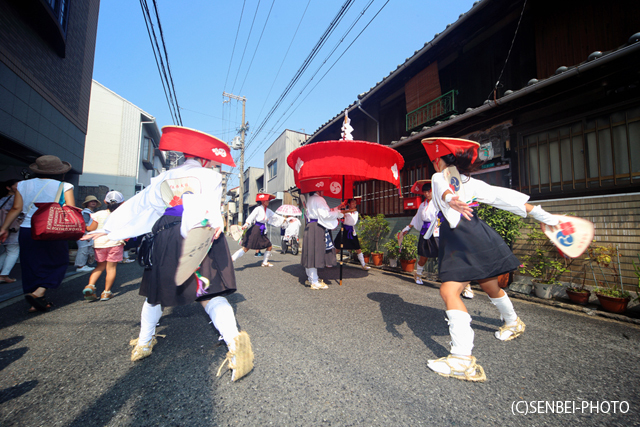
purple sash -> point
(349, 229)
(263, 227)
(174, 210)
(425, 227)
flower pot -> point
(543, 290)
(393, 262)
(377, 258)
(504, 280)
(578, 297)
(613, 304)
(407, 265)
(366, 259)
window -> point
(59, 8)
(148, 150)
(599, 152)
(273, 168)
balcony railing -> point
(441, 107)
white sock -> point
(420, 268)
(267, 255)
(461, 332)
(237, 254)
(507, 312)
(149, 318)
(224, 320)
(361, 259)
(312, 275)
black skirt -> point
(255, 239)
(428, 248)
(159, 285)
(43, 262)
(314, 253)
(350, 243)
(472, 251)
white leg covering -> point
(461, 332)
(237, 254)
(361, 259)
(507, 313)
(149, 318)
(312, 275)
(267, 255)
(420, 269)
(223, 318)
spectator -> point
(85, 247)
(108, 252)
(43, 262)
(11, 252)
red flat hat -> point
(195, 143)
(417, 186)
(261, 197)
(438, 147)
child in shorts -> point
(108, 252)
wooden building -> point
(562, 124)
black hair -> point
(426, 186)
(112, 206)
(8, 183)
(463, 161)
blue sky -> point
(200, 37)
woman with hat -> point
(350, 240)
(108, 252)
(175, 203)
(256, 235)
(422, 220)
(43, 262)
(11, 252)
(471, 250)
(85, 247)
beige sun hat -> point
(50, 165)
(91, 199)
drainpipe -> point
(371, 117)
(138, 156)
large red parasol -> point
(334, 166)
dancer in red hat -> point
(177, 201)
(256, 236)
(422, 220)
(470, 249)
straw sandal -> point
(516, 330)
(241, 359)
(267, 264)
(142, 351)
(458, 369)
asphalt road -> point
(350, 355)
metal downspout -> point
(372, 118)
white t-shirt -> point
(293, 227)
(30, 188)
(104, 242)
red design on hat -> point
(417, 186)
(438, 147)
(264, 196)
(195, 143)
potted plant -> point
(578, 293)
(393, 251)
(366, 252)
(610, 293)
(409, 252)
(371, 230)
(545, 264)
(507, 225)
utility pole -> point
(243, 130)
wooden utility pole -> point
(243, 131)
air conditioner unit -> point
(280, 195)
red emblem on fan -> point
(567, 228)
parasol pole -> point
(341, 234)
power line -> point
(245, 46)
(258, 45)
(234, 43)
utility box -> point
(411, 202)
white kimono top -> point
(477, 190)
(265, 216)
(427, 212)
(317, 208)
(198, 189)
